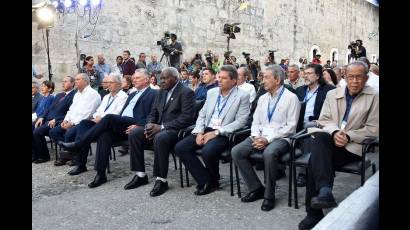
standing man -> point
(361, 49)
(349, 115)
(154, 67)
(141, 64)
(172, 111)
(176, 51)
(274, 120)
(117, 67)
(225, 111)
(85, 102)
(128, 66)
(102, 69)
(184, 77)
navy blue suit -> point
(57, 111)
(112, 128)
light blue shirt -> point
(310, 104)
(33, 72)
(129, 110)
(101, 70)
(218, 111)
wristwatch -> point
(216, 132)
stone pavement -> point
(60, 201)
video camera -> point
(231, 29)
(164, 43)
(353, 47)
(227, 55)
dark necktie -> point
(62, 98)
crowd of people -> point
(124, 102)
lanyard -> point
(313, 94)
(109, 103)
(271, 111)
(223, 106)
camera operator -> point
(176, 51)
(361, 51)
(271, 58)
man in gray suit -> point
(225, 110)
(275, 119)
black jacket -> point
(143, 106)
(178, 113)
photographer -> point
(176, 51)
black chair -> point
(302, 160)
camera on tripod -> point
(354, 48)
(164, 43)
(209, 56)
(231, 29)
(246, 56)
(227, 55)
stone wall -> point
(292, 27)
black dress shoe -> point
(41, 160)
(123, 152)
(321, 202)
(159, 188)
(268, 204)
(136, 182)
(69, 146)
(205, 189)
(253, 196)
(310, 221)
(98, 180)
(60, 162)
(77, 170)
(301, 180)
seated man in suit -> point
(85, 102)
(274, 120)
(112, 103)
(226, 110)
(50, 119)
(349, 115)
(35, 96)
(311, 95)
(172, 111)
(113, 128)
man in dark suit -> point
(51, 118)
(114, 127)
(35, 96)
(173, 109)
(311, 95)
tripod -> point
(50, 75)
(166, 55)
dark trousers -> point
(39, 143)
(324, 159)
(111, 128)
(163, 144)
(74, 134)
(211, 151)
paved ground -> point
(60, 201)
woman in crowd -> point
(89, 69)
(330, 76)
(194, 79)
(46, 89)
(126, 83)
(153, 82)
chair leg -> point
(56, 150)
(180, 173)
(110, 156)
(91, 151)
(187, 177)
(290, 185)
(237, 181)
(374, 168)
(295, 190)
(362, 178)
(175, 161)
(113, 150)
(231, 177)
(113, 153)
(108, 167)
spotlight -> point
(95, 2)
(46, 14)
(55, 4)
(67, 3)
(83, 2)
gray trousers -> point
(271, 154)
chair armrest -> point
(239, 135)
(184, 132)
(369, 143)
(300, 135)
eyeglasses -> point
(309, 73)
(357, 77)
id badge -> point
(216, 123)
(343, 125)
(92, 77)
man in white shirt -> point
(243, 74)
(373, 80)
(85, 102)
(112, 103)
(274, 120)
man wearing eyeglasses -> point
(349, 115)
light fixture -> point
(68, 3)
(83, 2)
(55, 4)
(95, 2)
(46, 14)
